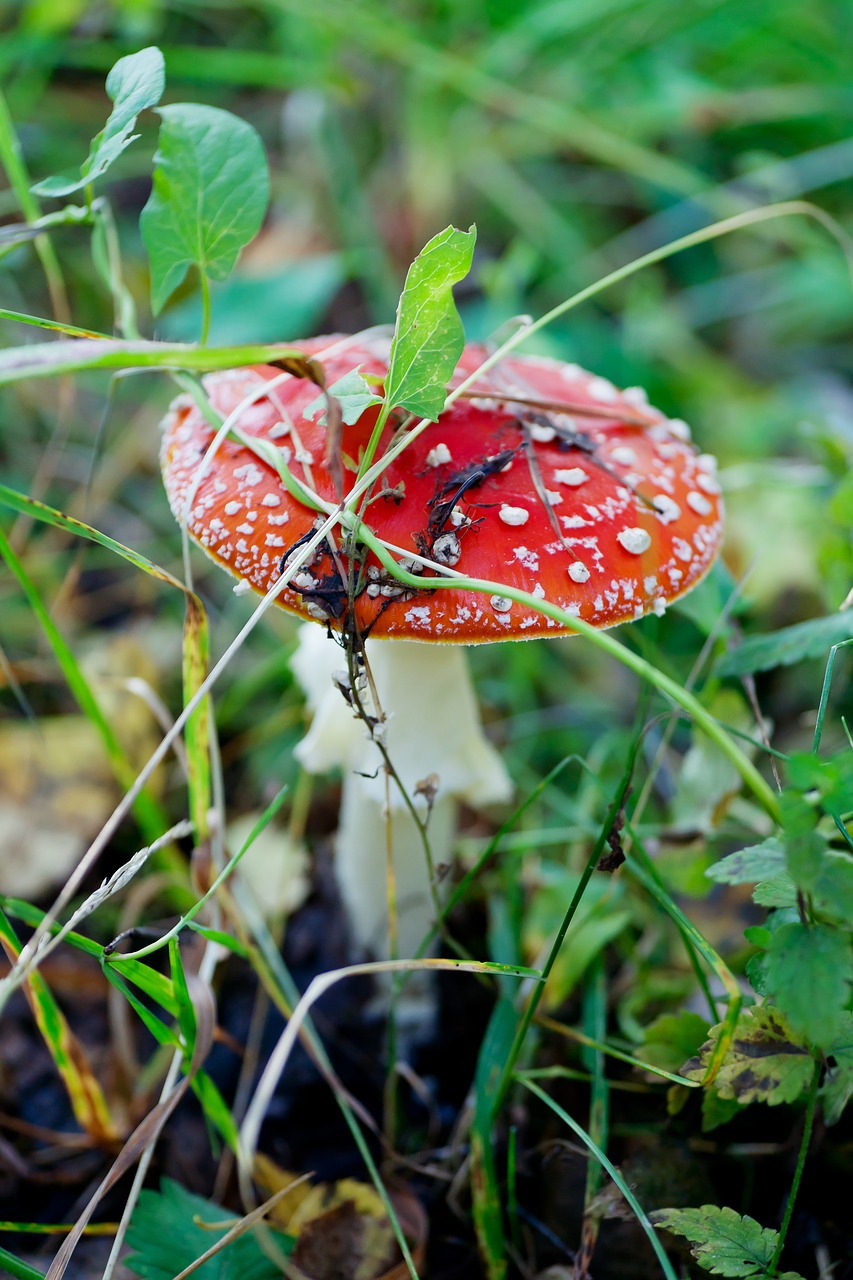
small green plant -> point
(786, 1042)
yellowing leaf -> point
(765, 1063)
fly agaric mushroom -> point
(541, 476)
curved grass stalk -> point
(666, 1266)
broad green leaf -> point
(812, 639)
(809, 972)
(721, 1241)
(837, 1087)
(211, 189)
(749, 865)
(170, 1228)
(765, 1063)
(135, 83)
(353, 393)
(776, 892)
(672, 1038)
(428, 336)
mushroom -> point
(541, 476)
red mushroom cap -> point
(541, 477)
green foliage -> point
(352, 392)
(722, 1241)
(170, 1228)
(811, 639)
(428, 337)
(673, 1038)
(837, 1087)
(751, 864)
(134, 84)
(809, 972)
(211, 189)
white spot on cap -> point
(542, 435)
(231, 508)
(528, 558)
(572, 476)
(271, 500)
(242, 587)
(699, 503)
(500, 604)
(635, 540)
(438, 456)
(219, 486)
(513, 515)
(682, 549)
(666, 509)
(707, 482)
(601, 389)
(707, 462)
(419, 615)
(659, 606)
(635, 396)
(625, 454)
(249, 473)
(679, 428)
(649, 584)
(578, 572)
(245, 528)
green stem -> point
(205, 310)
(808, 1124)
(506, 1074)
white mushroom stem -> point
(432, 728)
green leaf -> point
(810, 639)
(353, 393)
(211, 189)
(837, 1087)
(765, 1063)
(721, 1241)
(135, 83)
(170, 1228)
(428, 337)
(805, 846)
(809, 973)
(749, 865)
(672, 1038)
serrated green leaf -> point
(837, 1087)
(833, 892)
(353, 393)
(428, 336)
(721, 1241)
(765, 1063)
(749, 865)
(170, 1228)
(210, 194)
(134, 84)
(809, 973)
(777, 892)
(812, 639)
